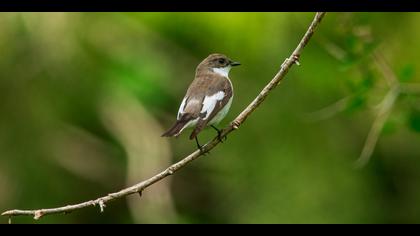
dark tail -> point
(178, 126)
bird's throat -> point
(223, 71)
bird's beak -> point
(235, 63)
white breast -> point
(222, 113)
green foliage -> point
(72, 83)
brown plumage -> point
(209, 93)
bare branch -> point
(138, 188)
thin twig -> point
(377, 126)
(385, 69)
(328, 111)
(385, 108)
(333, 49)
(138, 188)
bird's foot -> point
(219, 134)
(200, 147)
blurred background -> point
(84, 98)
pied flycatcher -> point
(208, 98)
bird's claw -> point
(201, 148)
(219, 134)
(203, 151)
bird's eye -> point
(222, 61)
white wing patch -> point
(210, 102)
(181, 108)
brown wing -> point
(206, 83)
(221, 84)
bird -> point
(208, 98)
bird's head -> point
(218, 63)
